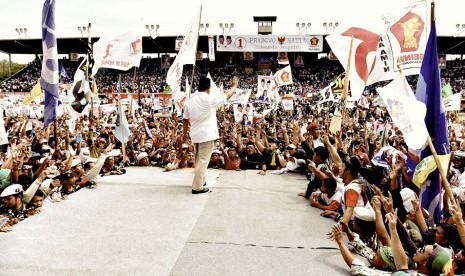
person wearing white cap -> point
(143, 159)
(13, 206)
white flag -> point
(80, 94)
(375, 57)
(452, 103)
(326, 94)
(284, 76)
(3, 135)
(187, 53)
(122, 52)
(406, 112)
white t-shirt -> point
(354, 185)
(200, 109)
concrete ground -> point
(147, 222)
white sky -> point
(116, 16)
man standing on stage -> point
(200, 112)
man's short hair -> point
(204, 84)
(322, 152)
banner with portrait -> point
(270, 43)
(165, 62)
(266, 90)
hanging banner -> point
(271, 43)
(198, 55)
(211, 48)
(248, 56)
(178, 43)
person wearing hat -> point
(250, 158)
(313, 131)
(383, 261)
(109, 167)
(13, 206)
(216, 161)
(143, 159)
(270, 154)
(200, 117)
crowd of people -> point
(375, 204)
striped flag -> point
(429, 92)
(49, 75)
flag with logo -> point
(429, 92)
(376, 57)
(407, 113)
(283, 76)
(428, 165)
(122, 52)
(80, 92)
(187, 53)
(283, 58)
(326, 94)
(248, 55)
(36, 94)
(49, 74)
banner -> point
(73, 57)
(211, 48)
(198, 55)
(165, 62)
(248, 55)
(178, 43)
(298, 60)
(283, 58)
(377, 57)
(122, 52)
(270, 43)
(267, 89)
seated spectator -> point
(250, 158)
(216, 162)
(35, 205)
(327, 198)
(231, 160)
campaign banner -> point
(211, 48)
(178, 43)
(270, 43)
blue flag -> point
(49, 77)
(429, 92)
(63, 73)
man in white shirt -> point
(200, 113)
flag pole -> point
(196, 47)
(441, 172)
(121, 119)
(346, 82)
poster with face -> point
(266, 90)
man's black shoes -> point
(204, 190)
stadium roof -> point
(166, 44)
